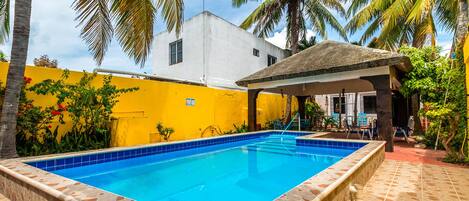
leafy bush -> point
(329, 121)
(440, 83)
(88, 107)
(164, 132)
(314, 112)
(243, 128)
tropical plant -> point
(399, 22)
(299, 15)
(314, 112)
(45, 61)
(131, 21)
(305, 43)
(165, 132)
(440, 82)
(3, 57)
(328, 121)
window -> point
(175, 52)
(335, 103)
(255, 52)
(271, 60)
(369, 104)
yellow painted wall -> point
(137, 113)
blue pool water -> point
(255, 169)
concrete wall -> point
(215, 52)
(137, 113)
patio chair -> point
(349, 128)
(362, 120)
(335, 117)
(405, 131)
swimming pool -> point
(252, 166)
(256, 169)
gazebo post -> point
(381, 84)
(301, 106)
(252, 108)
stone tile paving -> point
(403, 180)
(3, 198)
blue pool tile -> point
(50, 163)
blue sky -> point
(54, 32)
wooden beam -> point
(252, 108)
(382, 85)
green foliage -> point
(329, 121)
(243, 128)
(440, 82)
(88, 107)
(164, 132)
(314, 112)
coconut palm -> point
(299, 15)
(130, 21)
(305, 43)
(411, 22)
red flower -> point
(55, 112)
(62, 107)
(27, 80)
(49, 126)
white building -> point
(212, 51)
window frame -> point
(271, 60)
(255, 52)
(344, 104)
(177, 52)
(366, 98)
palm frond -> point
(419, 10)
(370, 31)
(265, 17)
(425, 31)
(94, 18)
(238, 3)
(335, 5)
(355, 6)
(366, 15)
(4, 20)
(173, 13)
(315, 9)
(446, 14)
(134, 27)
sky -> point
(54, 32)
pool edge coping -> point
(312, 184)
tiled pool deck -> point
(18, 177)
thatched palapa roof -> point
(327, 57)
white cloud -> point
(280, 38)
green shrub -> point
(165, 132)
(88, 107)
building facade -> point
(213, 52)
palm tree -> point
(131, 21)
(299, 15)
(401, 21)
(305, 43)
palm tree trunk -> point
(15, 81)
(293, 11)
(462, 23)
